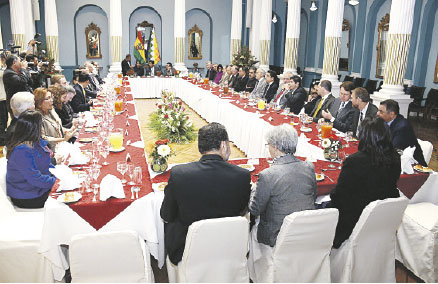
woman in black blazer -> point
(368, 175)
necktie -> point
(342, 105)
(266, 90)
(358, 125)
(361, 117)
(279, 96)
(318, 108)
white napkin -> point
(111, 186)
(307, 150)
(138, 144)
(76, 157)
(134, 117)
(407, 159)
(90, 121)
(68, 181)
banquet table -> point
(246, 127)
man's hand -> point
(24, 64)
(326, 114)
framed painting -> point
(92, 34)
(195, 43)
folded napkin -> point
(307, 150)
(407, 159)
(111, 186)
(90, 121)
(138, 144)
(67, 180)
(73, 151)
(134, 117)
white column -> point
(18, 24)
(397, 51)
(265, 33)
(27, 14)
(115, 21)
(292, 36)
(254, 26)
(180, 35)
(1, 39)
(51, 25)
(332, 43)
(236, 28)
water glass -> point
(131, 168)
(137, 177)
(122, 167)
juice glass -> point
(158, 73)
(119, 76)
(118, 106)
(117, 89)
(261, 104)
(191, 75)
(116, 139)
(226, 90)
(326, 130)
(205, 81)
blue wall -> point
(204, 22)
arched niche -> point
(277, 45)
(203, 21)
(302, 44)
(138, 16)
(83, 17)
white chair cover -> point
(215, 251)
(369, 254)
(427, 149)
(302, 250)
(417, 238)
(109, 257)
(6, 208)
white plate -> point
(319, 177)
(117, 150)
(306, 129)
(159, 186)
(248, 167)
(76, 197)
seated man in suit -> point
(402, 133)
(126, 64)
(271, 86)
(251, 80)
(361, 100)
(80, 101)
(169, 71)
(242, 79)
(211, 72)
(342, 111)
(280, 97)
(232, 82)
(260, 85)
(151, 69)
(209, 188)
(312, 99)
(297, 96)
(326, 100)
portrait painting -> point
(195, 43)
(92, 33)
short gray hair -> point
(22, 101)
(69, 89)
(261, 71)
(284, 138)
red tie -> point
(279, 95)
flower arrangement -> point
(244, 58)
(331, 148)
(170, 120)
(160, 154)
(130, 72)
(177, 73)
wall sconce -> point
(313, 7)
(353, 2)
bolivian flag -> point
(139, 49)
(154, 53)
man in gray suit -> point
(342, 111)
(280, 97)
(361, 100)
(288, 186)
(260, 85)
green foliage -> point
(244, 58)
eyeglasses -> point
(48, 98)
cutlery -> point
(328, 170)
(132, 193)
(137, 189)
(329, 178)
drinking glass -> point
(348, 138)
(137, 177)
(122, 167)
(116, 139)
(286, 110)
(131, 168)
(104, 151)
(95, 172)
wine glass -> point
(137, 179)
(122, 167)
(104, 151)
(95, 172)
(131, 168)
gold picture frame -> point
(195, 43)
(92, 35)
(344, 62)
(435, 78)
(381, 46)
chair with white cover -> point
(20, 235)
(215, 251)
(417, 240)
(109, 257)
(301, 252)
(427, 149)
(369, 254)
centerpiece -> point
(159, 155)
(170, 120)
(331, 148)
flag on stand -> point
(154, 53)
(139, 52)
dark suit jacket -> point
(65, 113)
(403, 136)
(139, 71)
(296, 100)
(360, 183)
(270, 93)
(250, 85)
(211, 74)
(16, 82)
(156, 69)
(309, 106)
(326, 105)
(125, 67)
(344, 117)
(233, 81)
(241, 83)
(79, 102)
(371, 112)
(209, 188)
